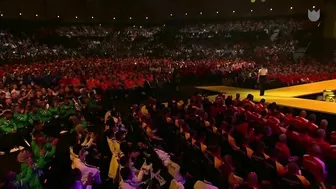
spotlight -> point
(146, 18)
(251, 10)
(76, 17)
(233, 11)
(186, 14)
(130, 18)
(291, 8)
(92, 17)
(36, 15)
(201, 13)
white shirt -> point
(126, 185)
(263, 71)
(204, 185)
(79, 185)
(85, 169)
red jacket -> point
(312, 127)
(323, 145)
(306, 140)
(242, 128)
(283, 149)
(315, 166)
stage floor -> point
(286, 96)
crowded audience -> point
(58, 120)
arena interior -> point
(169, 94)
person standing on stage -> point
(262, 73)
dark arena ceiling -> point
(148, 10)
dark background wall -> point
(155, 10)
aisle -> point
(286, 96)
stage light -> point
(313, 7)
(186, 14)
(271, 9)
(130, 18)
(58, 16)
(76, 17)
(233, 11)
(201, 13)
(217, 12)
(251, 10)
(92, 17)
(146, 18)
(1, 15)
(114, 18)
(36, 15)
(291, 8)
(252, 1)
(171, 14)
(20, 13)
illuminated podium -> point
(330, 98)
(327, 93)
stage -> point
(286, 96)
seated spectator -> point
(78, 161)
(320, 140)
(273, 165)
(312, 127)
(127, 179)
(305, 140)
(293, 179)
(281, 146)
(323, 124)
(78, 182)
(251, 182)
(313, 164)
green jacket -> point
(44, 115)
(21, 120)
(7, 126)
(28, 177)
(92, 104)
(68, 110)
(32, 117)
(54, 110)
(50, 152)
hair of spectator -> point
(125, 173)
(312, 118)
(283, 138)
(321, 133)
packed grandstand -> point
(56, 82)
